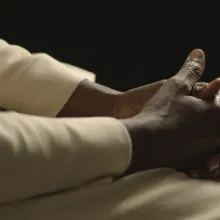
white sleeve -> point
(41, 155)
(35, 83)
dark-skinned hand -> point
(175, 129)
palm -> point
(131, 102)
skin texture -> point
(174, 121)
(103, 101)
(123, 105)
(92, 99)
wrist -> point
(90, 99)
(144, 155)
(132, 133)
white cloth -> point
(161, 194)
(53, 169)
(43, 154)
(35, 83)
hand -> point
(92, 99)
(211, 169)
(206, 91)
(174, 129)
(130, 103)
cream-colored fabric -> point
(41, 155)
(161, 194)
(88, 75)
(53, 169)
(36, 83)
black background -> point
(126, 45)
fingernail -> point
(198, 89)
(197, 53)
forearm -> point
(90, 99)
(40, 155)
(38, 84)
(35, 84)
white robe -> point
(54, 168)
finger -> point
(181, 83)
(201, 83)
(198, 88)
(191, 71)
(206, 90)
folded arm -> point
(40, 155)
(35, 83)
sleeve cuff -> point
(88, 75)
(36, 84)
(51, 154)
(111, 147)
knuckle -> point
(163, 81)
(180, 84)
(194, 70)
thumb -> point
(182, 83)
(191, 71)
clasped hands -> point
(172, 123)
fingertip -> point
(217, 81)
(197, 53)
(214, 86)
